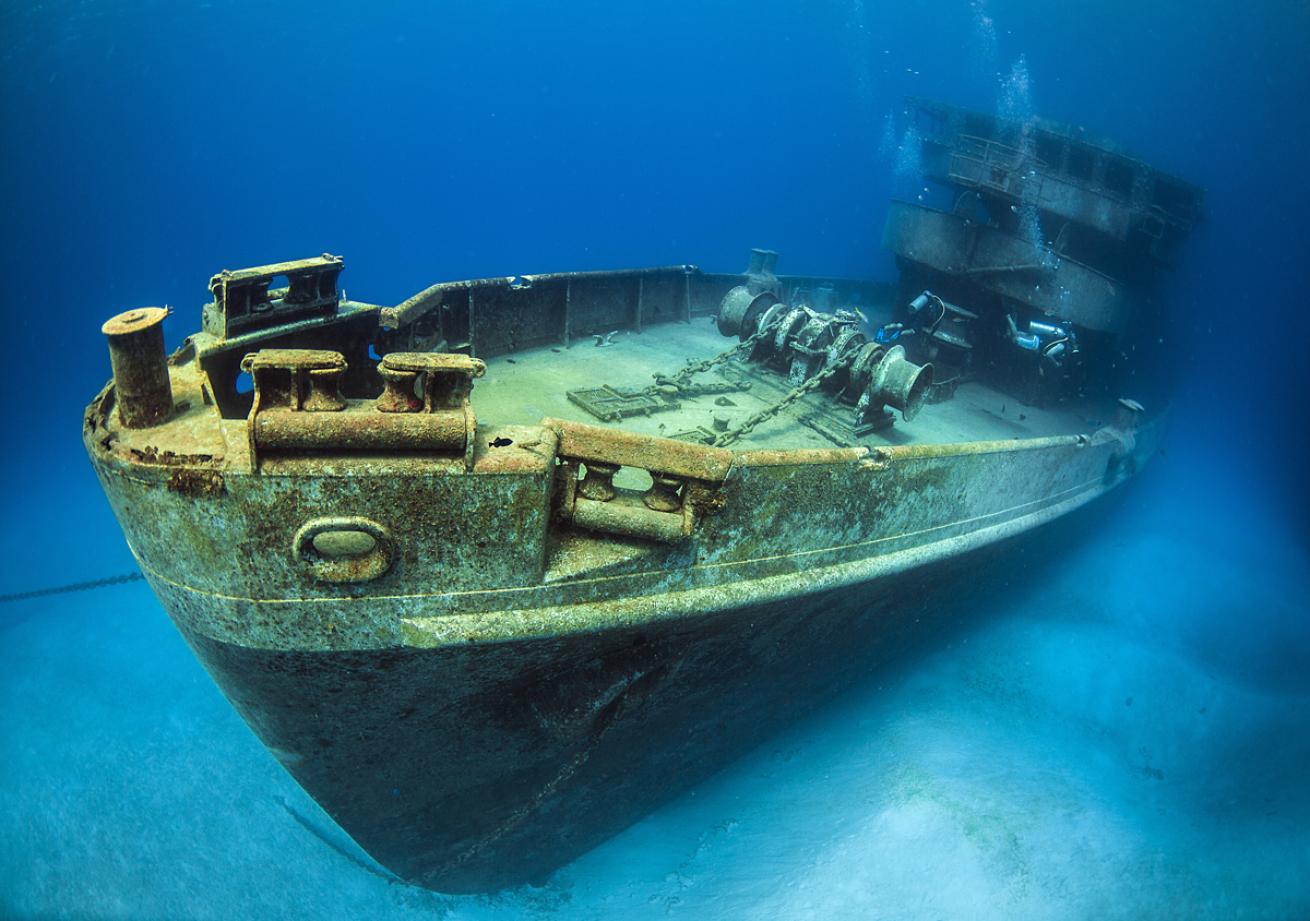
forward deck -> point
(525, 387)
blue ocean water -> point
(1123, 733)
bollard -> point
(136, 353)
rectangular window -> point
(1081, 161)
(1119, 177)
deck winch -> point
(828, 351)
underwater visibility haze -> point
(1112, 722)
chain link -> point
(691, 369)
(683, 378)
(74, 587)
(726, 438)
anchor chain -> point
(726, 438)
(73, 587)
(691, 369)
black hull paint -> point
(472, 769)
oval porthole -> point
(344, 550)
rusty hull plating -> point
(485, 643)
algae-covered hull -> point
(474, 768)
(485, 632)
(475, 738)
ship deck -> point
(523, 387)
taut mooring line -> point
(72, 587)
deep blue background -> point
(148, 144)
(145, 145)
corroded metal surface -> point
(483, 646)
(593, 443)
(243, 299)
(136, 354)
(1049, 253)
(298, 407)
(821, 350)
(477, 749)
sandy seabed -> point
(1124, 734)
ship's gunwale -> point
(607, 601)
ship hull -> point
(478, 735)
(470, 769)
(486, 634)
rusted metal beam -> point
(473, 324)
(415, 307)
(592, 443)
(568, 312)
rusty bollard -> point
(598, 484)
(398, 391)
(325, 390)
(136, 353)
(663, 493)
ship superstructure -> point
(1051, 244)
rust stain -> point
(197, 483)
